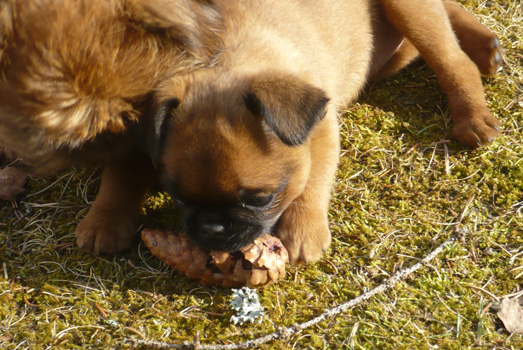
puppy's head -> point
(73, 69)
(235, 152)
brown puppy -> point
(74, 69)
(250, 145)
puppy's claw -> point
(97, 250)
(495, 43)
(497, 58)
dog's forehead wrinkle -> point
(205, 169)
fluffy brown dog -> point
(74, 69)
(250, 145)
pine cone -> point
(257, 264)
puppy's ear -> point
(153, 127)
(290, 106)
(193, 23)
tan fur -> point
(72, 69)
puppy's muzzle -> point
(217, 229)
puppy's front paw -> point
(105, 232)
(476, 131)
(306, 237)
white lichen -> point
(247, 305)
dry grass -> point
(400, 192)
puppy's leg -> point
(110, 225)
(478, 42)
(304, 226)
(459, 77)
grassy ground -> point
(399, 193)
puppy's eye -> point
(258, 200)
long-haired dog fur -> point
(74, 69)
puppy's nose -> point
(212, 229)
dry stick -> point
(286, 332)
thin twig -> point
(29, 303)
(515, 295)
(466, 209)
(447, 162)
(484, 291)
(287, 332)
(100, 310)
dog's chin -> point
(232, 239)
